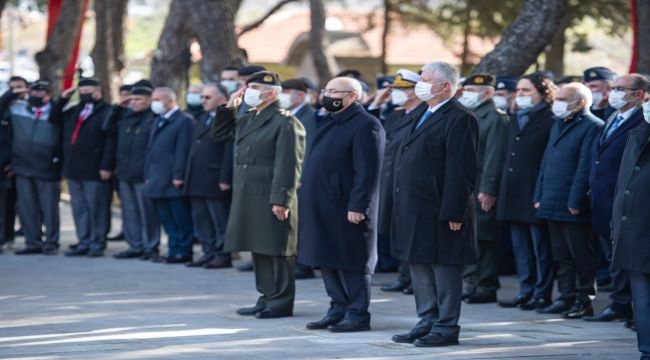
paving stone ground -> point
(52, 307)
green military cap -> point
(481, 80)
(265, 77)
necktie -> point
(82, 117)
(37, 113)
(424, 118)
(208, 120)
(615, 124)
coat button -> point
(637, 168)
(513, 154)
(627, 192)
(198, 141)
(624, 218)
(511, 169)
(248, 148)
(597, 162)
(517, 138)
(245, 166)
(396, 190)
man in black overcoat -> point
(433, 215)
(338, 205)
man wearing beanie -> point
(88, 163)
(132, 126)
(269, 148)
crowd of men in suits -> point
(426, 176)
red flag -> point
(54, 9)
(635, 37)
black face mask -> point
(86, 98)
(332, 104)
(36, 101)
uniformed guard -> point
(269, 149)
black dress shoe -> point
(117, 237)
(578, 310)
(77, 252)
(412, 335)
(435, 340)
(485, 298)
(177, 259)
(557, 307)
(249, 311)
(630, 324)
(128, 254)
(305, 274)
(534, 304)
(349, 326)
(73, 246)
(218, 263)
(29, 251)
(408, 290)
(272, 314)
(200, 261)
(395, 286)
(466, 294)
(323, 323)
(149, 256)
(518, 300)
(95, 253)
(50, 251)
(609, 314)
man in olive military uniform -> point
(269, 149)
(481, 280)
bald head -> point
(345, 90)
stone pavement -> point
(53, 307)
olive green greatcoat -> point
(269, 149)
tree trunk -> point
(464, 64)
(318, 44)
(170, 59)
(118, 19)
(53, 59)
(384, 36)
(524, 39)
(102, 53)
(643, 29)
(215, 33)
(554, 54)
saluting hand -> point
(67, 93)
(236, 98)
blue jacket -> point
(167, 152)
(562, 182)
(605, 162)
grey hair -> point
(355, 86)
(581, 92)
(167, 91)
(221, 91)
(444, 72)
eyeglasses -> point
(206, 97)
(334, 91)
(623, 88)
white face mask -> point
(285, 100)
(308, 99)
(560, 109)
(230, 85)
(398, 97)
(193, 99)
(423, 90)
(501, 102)
(646, 111)
(616, 99)
(524, 102)
(470, 99)
(252, 97)
(157, 107)
(596, 97)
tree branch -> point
(271, 11)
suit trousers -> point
(349, 294)
(640, 284)
(438, 291)
(275, 279)
(532, 250)
(3, 221)
(10, 211)
(621, 297)
(139, 220)
(483, 277)
(38, 205)
(175, 216)
(210, 217)
(90, 205)
(573, 257)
